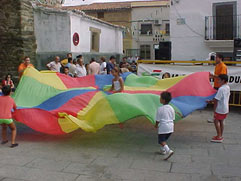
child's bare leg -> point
(221, 127)
(14, 132)
(121, 125)
(163, 143)
(218, 129)
(4, 133)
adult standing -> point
(94, 67)
(80, 68)
(124, 63)
(54, 65)
(220, 68)
(65, 61)
(102, 66)
(111, 64)
(71, 66)
(26, 63)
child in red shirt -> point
(6, 105)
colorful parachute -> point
(54, 103)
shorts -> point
(163, 137)
(6, 121)
(220, 117)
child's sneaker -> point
(163, 152)
(216, 139)
(169, 154)
(210, 120)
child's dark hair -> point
(6, 78)
(66, 67)
(166, 73)
(223, 77)
(166, 96)
(112, 57)
(219, 56)
(6, 90)
(69, 60)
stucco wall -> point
(188, 40)
(119, 17)
(110, 37)
(54, 32)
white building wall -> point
(188, 40)
(52, 32)
(110, 37)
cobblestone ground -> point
(128, 154)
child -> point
(8, 81)
(117, 85)
(6, 105)
(221, 107)
(166, 75)
(164, 122)
(66, 71)
(117, 82)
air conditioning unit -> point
(157, 22)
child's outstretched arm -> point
(156, 125)
(121, 84)
(112, 86)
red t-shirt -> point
(6, 105)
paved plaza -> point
(128, 154)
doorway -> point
(225, 18)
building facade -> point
(205, 26)
(61, 31)
(151, 30)
(147, 25)
(17, 33)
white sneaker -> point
(169, 154)
(210, 120)
(163, 152)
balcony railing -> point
(222, 27)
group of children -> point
(164, 117)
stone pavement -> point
(128, 154)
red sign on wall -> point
(76, 39)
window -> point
(100, 15)
(225, 20)
(146, 29)
(167, 28)
(145, 52)
(95, 39)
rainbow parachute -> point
(54, 103)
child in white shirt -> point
(164, 122)
(221, 107)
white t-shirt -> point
(94, 68)
(103, 68)
(54, 66)
(165, 116)
(72, 68)
(80, 71)
(223, 98)
(117, 85)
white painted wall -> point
(110, 37)
(188, 40)
(52, 31)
